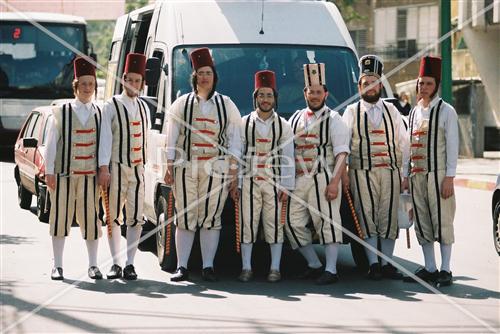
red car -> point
(30, 167)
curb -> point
(475, 184)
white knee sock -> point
(276, 255)
(310, 255)
(429, 258)
(445, 257)
(209, 241)
(331, 254)
(387, 246)
(58, 248)
(114, 243)
(246, 256)
(133, 236)
(372, 256)
(183, 244)
(92, 246)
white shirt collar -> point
(317, 113)
(79, 104)
(255, 115)
(376, 105)
(211, 99)
(433, 102)
(131, 100)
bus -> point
(35, 67)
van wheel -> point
(496, 227)
(43, 212)
(23, 197)
(165, 237)
(359, 256)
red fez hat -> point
(201, 57)
(83, 67)
(265, 79)
(135, 63)
(430, 67)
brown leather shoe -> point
(208, 274)
(327, 278)
(181, 274)
(274, 276)
(390, 272)
(57, 274)
(311, 273)
(245, 276)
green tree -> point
(346, 8)
(100, 34)
(131, 5)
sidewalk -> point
(477, 173)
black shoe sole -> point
(113, 277)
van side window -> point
(31, 126)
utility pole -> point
(445, 27)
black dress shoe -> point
(445, 278)
(129, 272)
(114, 272)
(181, 274)
(390, 272)
(375, 273)
(327, 278)
(94, 273)
(208, 274)
(424, 275)
(311, 273)
(57, 274)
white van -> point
(244, 37)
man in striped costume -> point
(123, 153)
(321, 146)
(268, 170)
(433, 163)
(379, 148)
(71, 168)
(203, 145)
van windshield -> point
(236, 66)
(33, 64)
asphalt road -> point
(32, 303)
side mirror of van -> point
(153, 68)
(30, 142)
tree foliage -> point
(131, 5)
(346, 8)
(100, 34)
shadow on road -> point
(6, 239)
(23, 307)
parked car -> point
(30, 167)
(495, 211)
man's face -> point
(133, 84)
(369, 89)
(86, 88)
(265, 99)
(426, 87)
(315, 97)
(205, 78)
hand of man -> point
(169, 176)
(103, 177)
(405, 185)
(447, 189)
(331, 191)
(50, 181)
